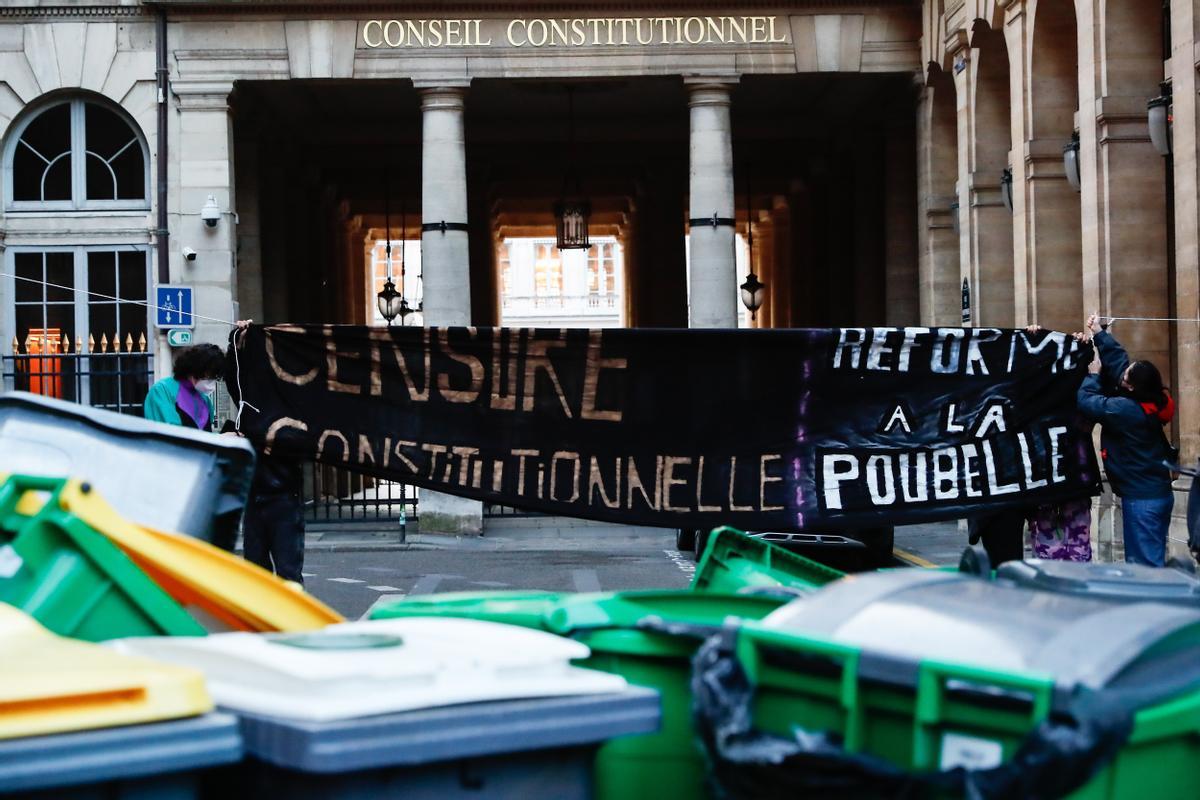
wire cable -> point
(143, 303)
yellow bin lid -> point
(238, 594)
(51, 684)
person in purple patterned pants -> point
(1063, 531)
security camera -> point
(211, 213)
(189, 254)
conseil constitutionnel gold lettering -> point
(573, 32)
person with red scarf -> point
(1131, 404)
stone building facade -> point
(859, 149)
(1009, 85)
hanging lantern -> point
(753, 291)
(571, 214)
(1071, 161)
(571, 218)
(391, 303)
(1006, 189)
(1160, 116)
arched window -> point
(76, 154)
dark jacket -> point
(275, 477)
(1131, 437)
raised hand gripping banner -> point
(762, 429)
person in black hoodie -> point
(1129, 401)
(273, 528)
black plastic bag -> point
(1057, 757)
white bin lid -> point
(365, 668)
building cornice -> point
(97, 11)
(524, 6)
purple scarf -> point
(191, 402)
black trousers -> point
(1002, 534)
(273, 535)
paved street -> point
(539, 553)
(589, 560)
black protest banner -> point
(762, 429)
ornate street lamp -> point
(571, 222)
(752, 290)
(1160, 113)
(391, 303)
(1006, 189)
(571, 214)
(1071, 161)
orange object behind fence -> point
(45, 365)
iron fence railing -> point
(336, 495)
(117, 381)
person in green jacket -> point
(186, 397)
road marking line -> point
(382, 600)
(911, 558)
(585, 580)
(427, 584)
(345, 580)
(686, 566)
(384, 588)
(309, 574)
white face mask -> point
(206, 386)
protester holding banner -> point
(1132, 410)
(273, 531)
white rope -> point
(241, 405)
(1150, 319)
(143, 303)
(237, 378)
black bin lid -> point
(1122, 582)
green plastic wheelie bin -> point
(735, 562)
(72, 579)
(630, 634)
(649, 638)
(948, 685)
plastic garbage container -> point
(420, 707)
(613, 626)
(241, 595)
(72, 579)
(734, 562)
(528, 609)
(79, 720)
(1117, 582)
(162, 476)
(616, 630)
(896, 679)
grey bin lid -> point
(471, 730)
(900, 618)
(162, 476)
(1123, 582)
(118, 754)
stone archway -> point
(937, 160)
(1053, 266)
(1128, 275)
(986, 238)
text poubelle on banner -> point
(763, 429)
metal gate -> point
(116, 381)
(334, 495)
